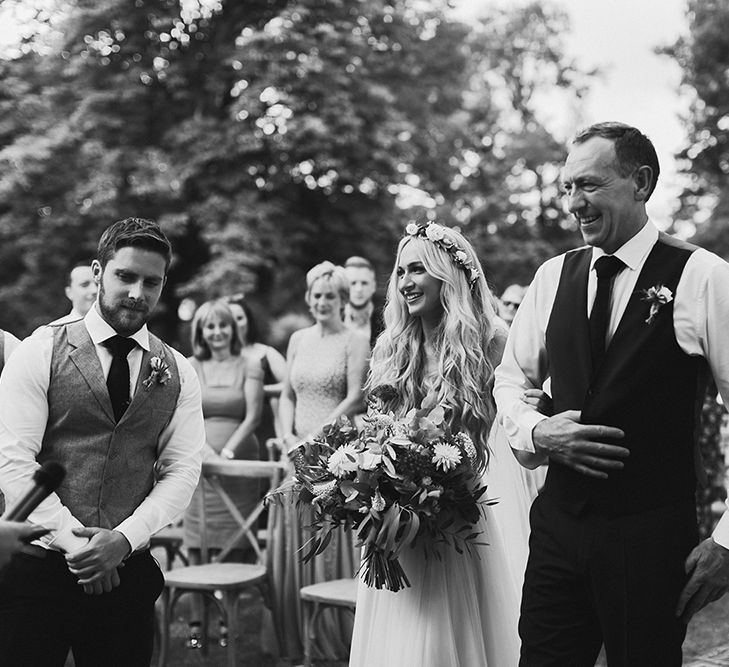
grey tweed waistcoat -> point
(110, 467)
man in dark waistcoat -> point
(121, 411)
(627, 330)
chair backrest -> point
(212, 474)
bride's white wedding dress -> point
(460, 611)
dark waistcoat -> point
(110, 467)
(646, 386)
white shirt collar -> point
(633, 251)
(100, 330)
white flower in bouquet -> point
(344, 460)
(446, 456)
(468, 447)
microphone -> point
(45, 481)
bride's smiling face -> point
(419, 289)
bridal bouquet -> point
(396, 483)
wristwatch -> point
(227, 454)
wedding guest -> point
(443, 338)
(232, 395)
(120, 410)
(625, 328)
(360, 313)
(510, 301)
(326, 365)
(81, 289)
(270, 359)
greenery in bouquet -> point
(398, 483)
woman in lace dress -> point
(326, 368)
(442, 336)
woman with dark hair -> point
(270, 359)
(232, 395)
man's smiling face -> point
(603, 202)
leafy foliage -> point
(703, 55)
(269, 135)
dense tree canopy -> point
(703, 55)
(268, 135)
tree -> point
(269, 135)
(703, 54)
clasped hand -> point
(96, 564)
(582, 447)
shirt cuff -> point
(66, 542)
(137, 535)
(520, 435)
(721, 532)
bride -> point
(442, 336)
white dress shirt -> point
(700, 319)
(23, 418)
(10, 342)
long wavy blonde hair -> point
(464, 342)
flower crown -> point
(436, 234)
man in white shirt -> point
(625, 329)
(121, 411)
(81, 291)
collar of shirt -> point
(633, 252)
(100, 330)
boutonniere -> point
(160, 372)
(657, 297)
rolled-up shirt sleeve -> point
(23, 418)
(524, 364)
(179, 461)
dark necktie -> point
(117, 381)
(606, 267)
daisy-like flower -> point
(343, 460)
(412, 229)
(462, 256)
(445, 456)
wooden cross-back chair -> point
(220, 582)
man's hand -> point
(582, 447)
(13, 535)
(104, 585)
(708, 564)
(540, 400)
(96, 562)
